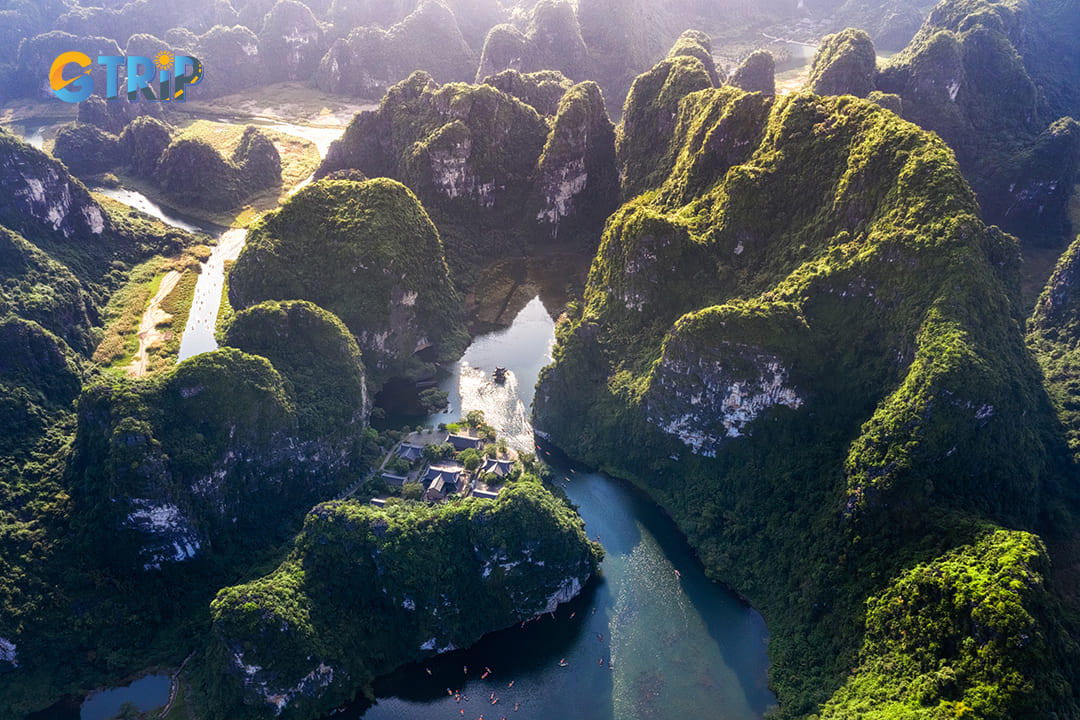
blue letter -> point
(140, 80)
(196, 76)
(77, 88)
(112, 81)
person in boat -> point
(563, 663)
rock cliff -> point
(367, 252)
(314, 632)
(494, 174)
(318, 359)
(797, 339)
(38, 196)
(170, 467)
(1054, 338)
(992, 78)
(370, 60)
(844, 64)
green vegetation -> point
(65, 255)
(542, 90)
(993, 78)
(317, 357)
(194, 173)
(1054, 339)
(580, 148)
(963, 635)
(85, 149)
(802, 341)
(757, 73)
(367, 252)
(648, 119)
(317, 629)
(121, 316)
(473, 155)
(844, 64)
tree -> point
(434, 452)
(433, 400)
(412, 491)
(475, 418)
(469, 458)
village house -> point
(464, 442)
(410, 452)
(443, 480)
(497, 467)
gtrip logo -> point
(171, 74)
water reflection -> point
(641, 642)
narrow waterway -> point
(198, 334)
(641, 642)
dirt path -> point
(148, 332)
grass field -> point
(126, 307)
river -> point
(678, 647)
(640, 642)
(198, 334)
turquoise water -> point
(149, 692)
(672, 647)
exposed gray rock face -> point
(578, 180)
(37, 194)
(168, 533)
(140, 482)
(487, 160)
(8, 652)
(703, 400)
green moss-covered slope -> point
(991, 77)
(844, 64)
(648, 118)
(542, 90)
(757, 73)
(62, 257)
(801, 339)
(85, 149)
(367, 252)
(1054, 338)
(958, 636)
(317, 357)
(194, 173)
(475, 155)
(308, 636)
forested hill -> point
(801, 339)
